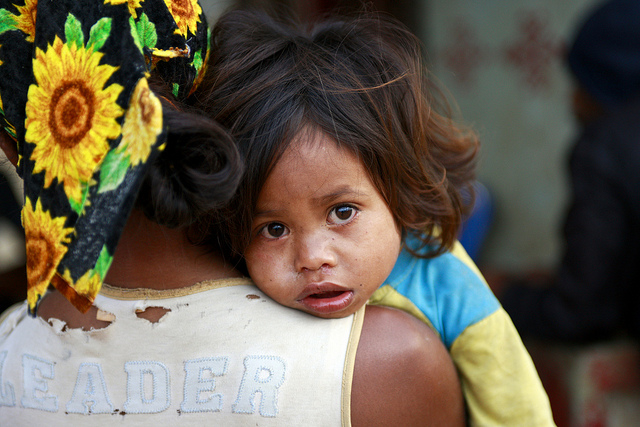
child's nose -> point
(314, 252)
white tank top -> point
(223, 355)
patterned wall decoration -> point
(534, 50)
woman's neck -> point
(156, 257)
(148, 256)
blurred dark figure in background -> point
(595, 293)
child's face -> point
(323, 238)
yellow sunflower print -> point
(133, 5)
(45, 238)
(26, 20)
(186, 13)
(70, 115)
(88, 285)
(142, 124)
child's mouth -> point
(327, 302)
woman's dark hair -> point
(361, 82)
(197, 172)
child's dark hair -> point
(197, 172)
(360, 81)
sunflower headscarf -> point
(74, 95)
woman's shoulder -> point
(403, 374)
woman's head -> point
(359, 81)
(96, 96)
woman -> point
(176, 334)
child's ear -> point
(9, 146)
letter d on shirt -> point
(141, 400)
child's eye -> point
(342, 214)
(273, 230)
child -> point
(352, 192)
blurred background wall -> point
(501, 60)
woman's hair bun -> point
(197, 172)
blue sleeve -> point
(448, 289)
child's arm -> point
(500, 382)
